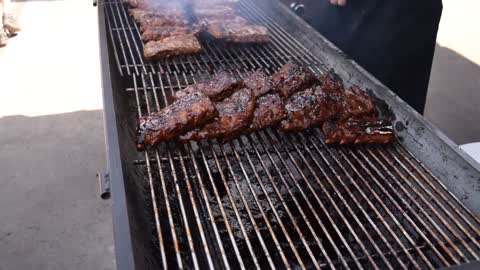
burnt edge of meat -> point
(182, 115)
(366, 130)
(293, 77)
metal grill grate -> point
(277, 200)
(128, 46)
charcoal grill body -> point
(133, 216)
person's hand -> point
(338, 2)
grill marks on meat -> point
(292, 78)
(182, 115)
(359, 131)
(269, 111)
(222, 85)
(234, 116)
(174, 45)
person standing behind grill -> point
(392, 39)
(8, 24)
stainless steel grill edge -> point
(274, 200)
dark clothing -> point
(392, 39)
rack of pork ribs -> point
(171, 28)
(293, 99)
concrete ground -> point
(51, 135)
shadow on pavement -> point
(51, 215)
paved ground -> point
(51, 217)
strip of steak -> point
(235, 116)
(367, 130)
(161, 32)
(259, 82)
(239, 33)
(182, 115)
(151, 22)
(169, 46)
(357, 103)
(292, 78)
(269, 111)
(219, 87)
(309, 108)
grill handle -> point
(298, 8)
(104, 185)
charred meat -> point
(235, 115)
(269, 111)
(357, 103)
(292, 78)
(174, 45)
(239, 33)
(259, 82)
(182, 115)
(303, 110)
(222, 85)
(365, 130)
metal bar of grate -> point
(276, 200)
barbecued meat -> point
(357, 102)
(259, 82)
(292, 78)
(182, 115)
(174, 45)
(222, 85)
(161, 32)
(140, 14)
(269, 111)
(151, 22)
(331, 83)
(309, 108)
(239, 32)
(358, 131)
(235, 115)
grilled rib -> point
(235, 116)
(239, 33)
(269, 111)
(182, 115)
(357, 103)
(222, 85)
(259, 82)
(161, 32)
(359, 131)
(302, 110)
(174, 45)
(292, 78)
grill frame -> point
(418, 131)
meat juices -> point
(234, 116)
(358, 131)
(182, 115)
(292, 78)
(222, 85)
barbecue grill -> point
(273, 199)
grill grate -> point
(277, 200)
